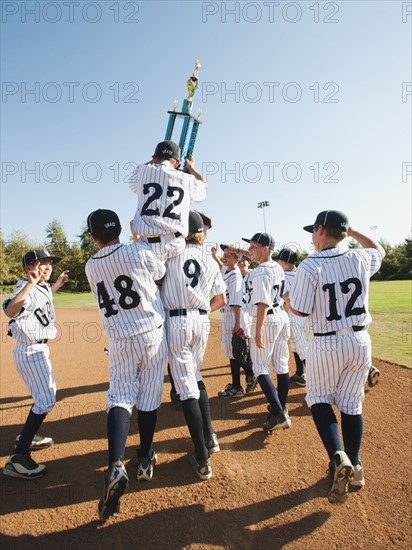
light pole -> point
(374, 228)
(262, 205)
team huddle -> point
(154, 296)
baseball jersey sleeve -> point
(303, 288)
(134, 182)
(373, 259)
(262, 291)
(218, 286)
(153, 265)
(197, 189)
(234, 283)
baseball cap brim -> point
(309, 228)
(32, 259)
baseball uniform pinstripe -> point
(298, 341)
(234, 297)
(164, 196)
(266, 286)
(122, 278)
(33, 325)
(337, 364)
(190, 279)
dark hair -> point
(336, 234)
(107, 236)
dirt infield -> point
(267, 492)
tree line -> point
(396, 265)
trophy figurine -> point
(192, 85)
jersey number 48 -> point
(128, 298)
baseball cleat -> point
(251, 384)
(299, 379)
(373, 376)
(201, 467)
(116, 483)
(39, 442)
(358, 480)
(230, 392)
(343, 473)
(24, 467)
(145, 466)
(277, 422)
(212, 444)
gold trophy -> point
(192, 85)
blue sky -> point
(306, 105)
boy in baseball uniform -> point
(191, 278)
(331, 289)
(232, 315)
(287, 261)
(270, 328)
(164, 194)
(31, 311)
(123, 279)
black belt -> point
(333, 332)
(42, 341)
(157, 239)
(183, 312)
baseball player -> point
(164, 194)
(287, 260)
(331, 289)
(232, 318)
(174, 398)
(191, 278)
(31, 311)
(270, 328)
(123, 279)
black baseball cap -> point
(167, 149)
(195, 222)
(287, 255)
(36, 255)
(263, 239)
(330, 218)
(101, 222)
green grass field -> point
(390, 303)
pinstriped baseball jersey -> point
(234, 288)
(246, 297)
(332, 286)
(36, 320)
(298, 342)
(122, 278)
(164, 196)
(189, 280)
(266, 286)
